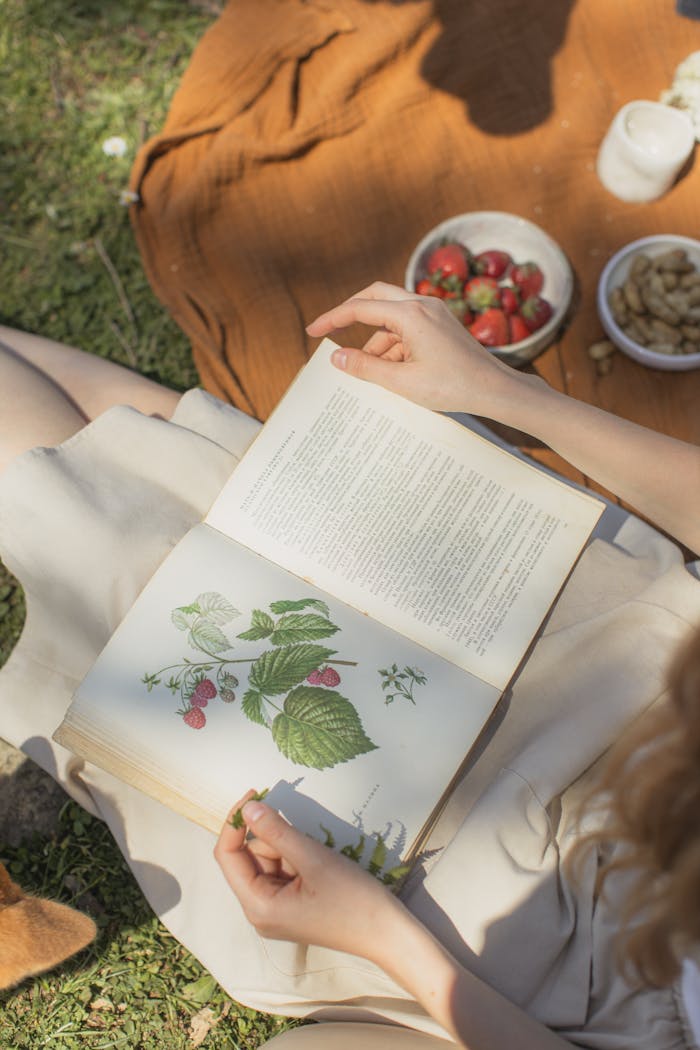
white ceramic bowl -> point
(615, 274)
(483, 230)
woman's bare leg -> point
(48, 391)
(91, 382)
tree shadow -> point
(497, 57)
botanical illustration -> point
(376, 863)
(401, 684)
(292, 682)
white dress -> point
(84, 526)
(690, 992)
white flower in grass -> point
(127, 197)
(115, 146)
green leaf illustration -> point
(253, 705)
(185, 616)
(277, 670)
(301, 603)
(378, 858)
(394, 875)
(319, 728)
(262, 626)
(207, 636)
(329, 840)
(354, 852)
(216, 608)
(301, 627)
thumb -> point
(365, 366)
(272, 829)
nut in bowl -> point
(649, 301)
(505, 278)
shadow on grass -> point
(135, 986)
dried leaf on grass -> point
(201, 1024)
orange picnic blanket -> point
(312, 143)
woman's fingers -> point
(279, 849)
(384, 290)
(384, 344)
(367, 308)
(379, 314)
(280, 837)
(238, 864)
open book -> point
(341, 625)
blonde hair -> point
(650, 789)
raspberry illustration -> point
(195, 718)
(227, 695)
(315, 678)
(330, 677)
(203, 692)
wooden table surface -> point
(498, 105)
(603, 53)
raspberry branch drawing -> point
(291, 685)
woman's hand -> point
(421, 351)
(295, 889)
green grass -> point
(136, 986)
(75, 72)
(12, 612)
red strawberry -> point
(517, 328)
(509, 300)
(491, 328)
(315, 678)
(492, 263)
(460, 309)
(482, 293)
(426, 287)
(535, 312)
(203, 692)
(195, 718)
(330, 677)
(449, 259)
(527, 278)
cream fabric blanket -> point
(83, 527)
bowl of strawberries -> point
(502, 276)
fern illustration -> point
(376, 864)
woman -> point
(493, 890)
(289, 886)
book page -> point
(355, 729)
(408, 517)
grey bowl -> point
(615, 274)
